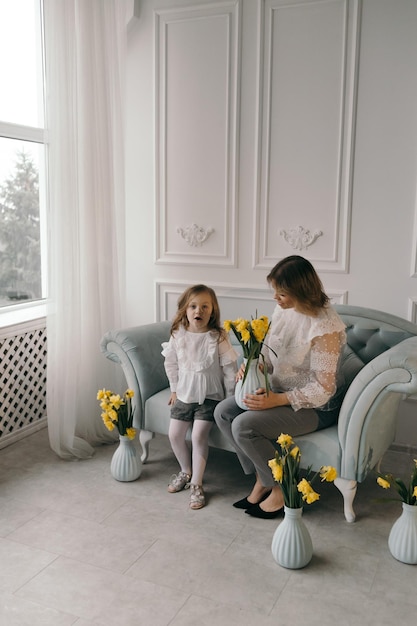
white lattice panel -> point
(22, 379)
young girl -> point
(201, 367)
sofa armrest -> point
(367, 420)
(138, 351)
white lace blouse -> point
(308, 351)
(199, 366)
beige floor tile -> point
(78, 548)
(16, 611)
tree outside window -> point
(20, 249)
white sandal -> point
(178, 482)
(197, 497)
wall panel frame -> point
(306, 127)
(197, 77)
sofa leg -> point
(145, 437)
(348, 490)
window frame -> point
(26, 311)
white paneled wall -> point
(196, 133)
(308, 89)
(263, 128)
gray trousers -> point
(252, 433)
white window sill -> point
(21, 313)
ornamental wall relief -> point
(195, 235)
(300, 238)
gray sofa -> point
(380, 367)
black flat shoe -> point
(245, 504)
(256, 511)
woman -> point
(302, 353)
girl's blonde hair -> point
(180, 318)
(298, 278)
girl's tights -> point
(193, 463)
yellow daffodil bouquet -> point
(251, 335)
(408, 494)
(285, 469)
(117, 411)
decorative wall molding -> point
(234, 300)
(299, 117)
(414, 244)
(413, 310)
(300, 238)
(195, 235)
(337, 296)
(197, 130)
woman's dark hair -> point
(180, 318)
(298, 278)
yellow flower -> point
(415, 492)
(295, 453)
(117, 411)
(113, 415)
(227, 325)
(383, 483)
(101, 393)
(311, 497)
(285, 441)
(277, 470)
(240, 324)
(131, 432)
(304, 486)
(260, 328)
(245, 335)
(107, 421)
(116, 401)
(328, 473)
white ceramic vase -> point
(126, 464)
(291, 544)
(402, 540)
(254, 380)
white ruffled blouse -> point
(308, 351)
(199, 366)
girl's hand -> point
(172, 398)
(259, 401)
(241, 372)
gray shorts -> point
(187, 412)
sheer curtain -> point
(85, 60)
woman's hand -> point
(259, 401)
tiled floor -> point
(78, 547)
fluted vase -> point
(126, 464)
(291, 544)
(402, 540)
(253, 380)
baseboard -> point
(403, 447)
(25, 431)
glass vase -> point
(126, 464)
(402, 540)
(291, 544)
(254, 379)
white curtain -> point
(85, 64)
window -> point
(22, 156)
